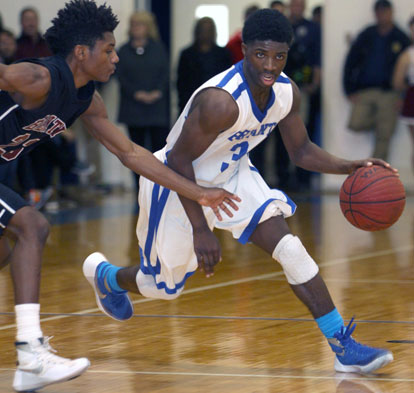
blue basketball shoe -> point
(353, 357)
(117, 305)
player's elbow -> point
(298, 156)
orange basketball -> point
(372, 198)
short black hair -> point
(317, 10)
(382, 4)
(80, 22)
(267, 24)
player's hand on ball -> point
(219, 200)
(207, 249)
(370, 162)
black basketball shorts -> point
(10, 202)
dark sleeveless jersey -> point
(21, 130)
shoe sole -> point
(89, 268)
(39, 385)
(368, 368)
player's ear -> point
(79, 52)
(244, 48)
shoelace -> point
(351, 346)
(45, 352)
(346, 332)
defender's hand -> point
(370, 162)
(207, 249)
(217, 198)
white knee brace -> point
(297, 264)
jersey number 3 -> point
(242, 150)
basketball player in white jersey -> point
(223, 120)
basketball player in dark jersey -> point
(39, 99)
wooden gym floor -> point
(240, 331)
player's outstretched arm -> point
(144, 163)
(304, 153)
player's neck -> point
(80, 78)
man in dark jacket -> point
(367, 77)
(200, 61)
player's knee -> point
(32, 225)
(297, 264)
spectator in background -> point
(403, 80)
(304, 67)
(143, 74)
(235, 41)
(8, 47)
(200, 61)
(368, 74)
(31, 42)
(317, 15)
(278, 6)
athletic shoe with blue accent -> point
(353, 357)
(117, 305)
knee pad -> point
(297, 264)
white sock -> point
(28, 322)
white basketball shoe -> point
(37, 366)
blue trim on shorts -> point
(245, 236)
(157, 208)
(162, 285)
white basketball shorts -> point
(165, 233)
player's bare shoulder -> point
(216, 107)
(27, 83)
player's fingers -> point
(199, 260)
(209, 264)
(233, 196)
(226, 209)
(217, 213)
(385, 164)
(232, 204)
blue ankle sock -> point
(330, 323)
(111, 280)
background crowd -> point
(377, 76)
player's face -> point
(264, 61)
(101, 59)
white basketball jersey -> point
(221, 159)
